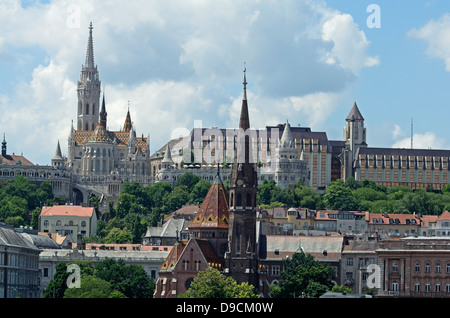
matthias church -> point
(100, 160)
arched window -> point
(249, 200)
(87, 109)
(239, 199)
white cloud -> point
(350, 44)
(436, 33)
(397, 132)
(426, 140)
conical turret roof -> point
(354, 114)
(213, 213)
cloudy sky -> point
(180, 61)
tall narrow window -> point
(238, 239)
(87, 109)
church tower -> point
(88, 90)
(241, 257)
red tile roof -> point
(445, 216)
(72, 210)
(15, 159)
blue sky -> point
(181, 61)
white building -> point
(68, 219)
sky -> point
(178, 63)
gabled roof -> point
(15, 160)
(169, 229)
(67, 210)
(445, 216)
(202, 245)
(214, 210)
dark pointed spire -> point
(128, 125)
(244, 121)
(4, 146)
(90, 50)
(103, 113)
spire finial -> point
(245, 82)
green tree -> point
(199, 192)
(306, 197)
(119, 236)
(92, 287)
(176, 199)
(341, 289)
(212, 284)
(338, 196)
(131, 280)
(188, 180)
(58, 285)
(302, 275)
(264, 194)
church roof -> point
(120, 137)
(100, 134)
(214, 210)
(127, 125)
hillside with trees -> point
(140, 206)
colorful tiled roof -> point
(214, 210)
(120, 137)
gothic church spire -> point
(90, 50)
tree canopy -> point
(303, 276)
(212, 284)
(106, 279)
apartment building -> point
(414, 267)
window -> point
(417, 268)
(365, 275)
(437, 287)
(447, 268)
(394, 285)
(417, 287)
(46, 223)
(275, 270)
(350, 261)
(395, 267)
(427, 267)
(438, 267)
(427, 287)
